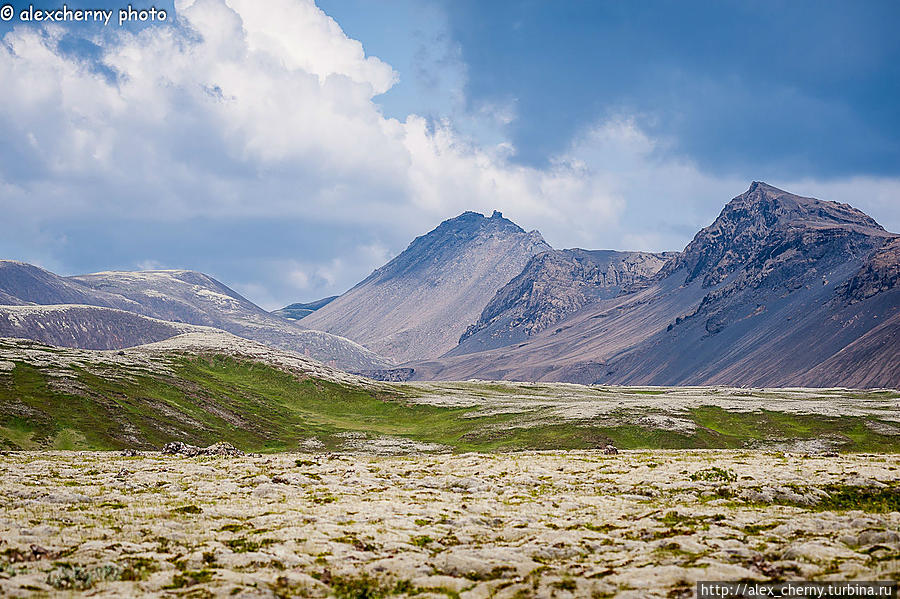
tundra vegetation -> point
(361, 489)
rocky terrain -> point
(176, 296)
(301, 310)
(550, 524)
(779, 290)
(368, 489)
(879, 274)
(418, 304)
(553, 285)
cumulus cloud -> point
(242, 111)
(247, 109)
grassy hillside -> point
(201, 399)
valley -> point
(203, 388)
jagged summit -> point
(785, 207)
(780, 289)
(473, 222)
(765, 222)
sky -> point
(289, 148)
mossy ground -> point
(260, 408)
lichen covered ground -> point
(360, 525)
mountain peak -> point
(453, 236)
(763, 187)
(474, 221)
(763, 218)
(418, 304)
(779, 207)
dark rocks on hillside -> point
(766, 229)
(880, 273)
(216, 449)
(553, 285)
(391, 375)
(769, 240)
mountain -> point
(779, 290)
(300, 310)
(553, 285)
(418, 304)
(176, 296)
(22, 284)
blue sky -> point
(289, 149)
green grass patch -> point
(867, 499)
(259, 408)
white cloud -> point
(261, 110)
(150, 264)
(258, 109)
(307, 276)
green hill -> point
(144, 397)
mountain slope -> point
(177, 296)
(553, 285)
(88, 327)
(196, 298)
(776, 291)
(300, 310)
(22, 284)
(419, 303)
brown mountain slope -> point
(22, 283)
(766, 295)
(196, 298)
(419, 303)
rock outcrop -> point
(553, 285)
(879, 274)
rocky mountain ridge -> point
(779, 290)
(553, 285)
